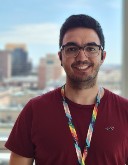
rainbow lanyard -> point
(81, 158)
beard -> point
(83, 81)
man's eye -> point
(91, 48)
(71, 49)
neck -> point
(82, 96)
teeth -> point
(82, 67)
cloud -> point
(45, 33)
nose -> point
(81, 55)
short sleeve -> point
(20, 140)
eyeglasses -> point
(90, 50)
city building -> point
(25, 82)
(6, 94)
(5, 64)
(13, 46)
(20, 63)
(110, 79)
(49, 70)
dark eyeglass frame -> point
(81, 47)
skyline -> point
(37, 23)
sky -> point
(36, 23)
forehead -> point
(81, 36)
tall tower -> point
(5, 64)
(49, 69)
(20, 64)
(11, 47)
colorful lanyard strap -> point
(81, 158)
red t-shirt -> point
(41, 131)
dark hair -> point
(81, 20)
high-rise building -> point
(5, 64)
(49, 69)
(12, 46)
(20, 63)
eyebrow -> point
(71, 43)
(75, 44)
(91, 43)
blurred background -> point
(29, 43)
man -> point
(81, 122)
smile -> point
(84, 67)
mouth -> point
(82, 67)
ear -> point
(103, 56)
(60, 57)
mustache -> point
(82, 63)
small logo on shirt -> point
(109, 128)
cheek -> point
(67, 62)
(98, 61)
(67, 66)
(97, 65)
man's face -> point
(81, 69)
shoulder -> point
(40, 103)
(47, 97)
(117, 103)
(115, 97)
